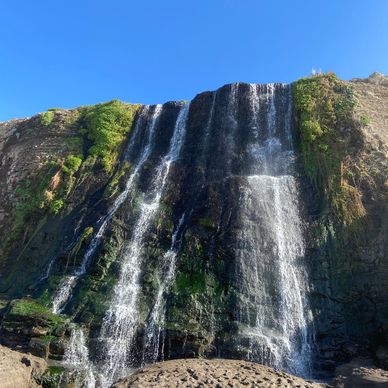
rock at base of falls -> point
(212, 373)
(360, 373)
(19, 369)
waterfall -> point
(244, 160)
(67, 284)
(156, 319)
(270, 242)
(119, 324)
(77, 358)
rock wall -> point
(347, 247)
(208, 304)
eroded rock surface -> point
(18, 370)
(212, 373)
(360, 373)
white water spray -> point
(119, 325)
(67, 284)
(270, 246)
(157, 316)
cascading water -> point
(77, 358)
(68, 282)
(156, 319)
(244, 156)
(270, 243)
(119, 324)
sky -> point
(78, 52)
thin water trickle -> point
(76, 358)
(156, 319)
(119, 324)
(67, 284)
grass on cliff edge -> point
(106, 126)
(324, 106)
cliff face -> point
(250, 223)
(347, 234)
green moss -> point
(87, 232)
(55, 369)
(75, 143)
(30, 308)
(206, 222)
(45, 191)
(192, 283)
(106, 126)
(325, 106)
(72, 164)
(46, 339)
(46, 118)
(113, 185)
(365, 120)
(52, 377)
(32, 196)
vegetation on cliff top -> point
(96, 138)
(106, 126)
(324, 106)
(46, 118)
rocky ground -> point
(360, 373)
(20, 370)
(17, 370)
(212, 373)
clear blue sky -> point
(75, 52)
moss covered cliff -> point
(341, 135)
(63, 169)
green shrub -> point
(72, 164)
(46, 118)
(324, 106)
(56, 205)
(107, 126)
(310, 130)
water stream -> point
(119, 325)
(67, 284)
(270, 244)
(271, 311)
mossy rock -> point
(32, 325)
(52, 377)
(27, 309)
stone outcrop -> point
(212, 374)
(31, 327)
(349, 261)
(360, 373)
(20, 370)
